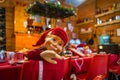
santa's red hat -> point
(55, 31)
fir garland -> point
(50, 10)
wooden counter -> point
(23, 40)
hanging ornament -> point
(70, 27)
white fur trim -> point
(40, 77)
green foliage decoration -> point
(50, 10)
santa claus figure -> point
(51, 44)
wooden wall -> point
(88, 10)
(20, 17)
(10, 29)
(104, 5)
(15, 17)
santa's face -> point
(53, 42)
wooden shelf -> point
(86, 32)
(82, 23)
(106, 13)
(108, 23)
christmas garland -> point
(50, 10)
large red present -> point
(42, 70)
(81, 65)
(113, 59)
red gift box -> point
(42, 70)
